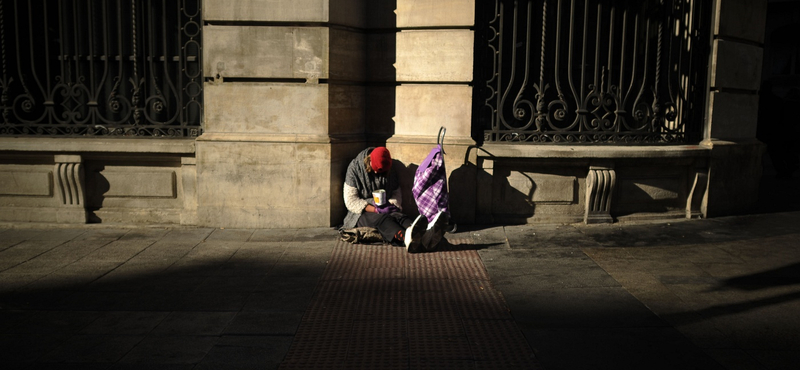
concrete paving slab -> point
(57, 322)
(538, 237)
(145, 234)
(52, 234)
(152, 366)
(119, 250)
(23, 349)
(246, 352)
(104, 233)
(95, 349)
(271, 323)
(10, 282)
(194, 323)
(273, 235)
(74, 250)
(236, 235)
(489, 236)
(174, 350)
(125, 323)
(24, 251)
(616, 348)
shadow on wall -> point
(370, 117)
(381, 55)
(477, 196)
(506, 204)
(97, 186)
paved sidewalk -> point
(704, 294)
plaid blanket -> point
(430, 185)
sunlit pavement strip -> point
(378, 307)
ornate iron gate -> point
(101, 68)
(591, 71)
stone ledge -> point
(97, 145)
(431, 140)
(289, 138)
(597, 151)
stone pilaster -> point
(70, 189)
(730, 132)
(600, 184)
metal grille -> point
(101, 68)
(591, 71)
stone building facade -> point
(293, 89)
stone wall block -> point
(140, 182)
(189, 182)
(260, 184)
(135, 190)
(422, 109)
(266, 10)
(432, 13)
(733, 115)
(742, 19)
(346, 109)
(736, 65)
(734, 177)
(382, 56)
(266, 108)
(381, 14)
(347, 55)
(380, 110)
(435, 56)
(265, 52)
(26, 181)
(352, 13)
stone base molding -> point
(600, 186)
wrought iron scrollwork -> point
(101, 68)
(609, 71)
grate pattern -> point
(378, 307)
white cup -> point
(379, 196)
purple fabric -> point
(387, 208)
(430, 185)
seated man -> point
(372, 170)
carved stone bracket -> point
(600, 184)
(698, 193)
(69, 185)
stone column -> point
(600, 186)
(730, 133)
(70, 189)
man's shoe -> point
(436, 229)
(413, 236)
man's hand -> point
(387, 208)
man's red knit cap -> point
(380, 159)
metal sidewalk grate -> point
(378, 307)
